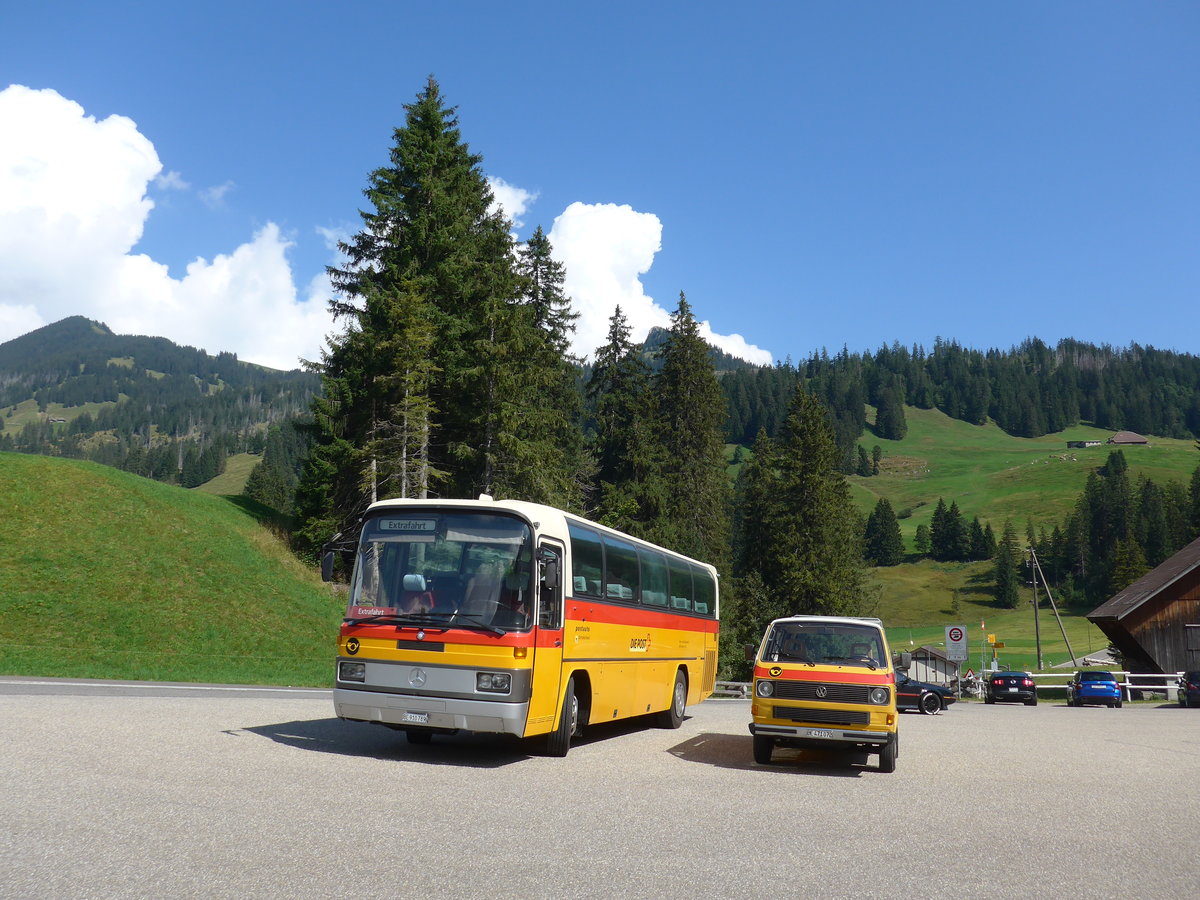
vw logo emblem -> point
(417, 678)
(822, 691)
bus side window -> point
(550, 579)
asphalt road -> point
(110, 790)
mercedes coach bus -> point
(516, 618)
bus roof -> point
(537, 513)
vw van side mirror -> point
(751, 650)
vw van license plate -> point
(820, 733)
(417, 718)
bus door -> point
(548, 649)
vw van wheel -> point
(762, 749)
(672, 717)
(888, 753)
(930, 704)
(559, 740)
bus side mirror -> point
(550, 574)
(327, 566)
(750, 652)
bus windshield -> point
(442, 569)
(824, 644)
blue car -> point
(1094, 686)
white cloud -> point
(170, 181)
(514, 201)
(72, 208)
(214, 197)
(605, 249)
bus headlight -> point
(352, 671)
(764, 688)
(493, 682)
(880, 696)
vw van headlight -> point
(765, 688)
(880, 696)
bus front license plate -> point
(820, 733)
(416, 718)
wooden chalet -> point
(1155, 622)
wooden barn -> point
(1155, 622)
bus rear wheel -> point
(558, 742)
(672, 717)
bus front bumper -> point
(443, 714)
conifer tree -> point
(882, 543)
(617, 392)
(448, 376)
(1006, 571)
(804, 543)
(686, 501)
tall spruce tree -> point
(686, 504)
(802, 535)
(618, 394)
(428, 388)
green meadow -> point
(109, 575)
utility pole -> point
(1037, 632)
(1053, 605)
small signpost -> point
(956, 643)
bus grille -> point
(710, 670)
(824, 716)
(833, 693)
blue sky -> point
(810, 174)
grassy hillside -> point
(997, 477)
(109, 575)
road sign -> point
(956, 643)
(970, 673)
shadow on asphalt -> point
(479, 751)
(732, 751)
(361, 739)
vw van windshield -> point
(843, 644)
(444, 569)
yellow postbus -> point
(825, 682)
(517, 618)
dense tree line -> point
(1119, 529)
(1028, 391)
(167, 412)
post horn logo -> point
(352, 646)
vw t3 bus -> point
(825, 682)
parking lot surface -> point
(112, 790)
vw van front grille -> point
(822, 692)
(823, 716)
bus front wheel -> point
(672, 717)
(559, 740)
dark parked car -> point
(1010, 687)
(1094, 687)
(1189, 689)
(928, 698)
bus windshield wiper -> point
(469, 621)
(870, 663)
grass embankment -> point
(104, 574)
